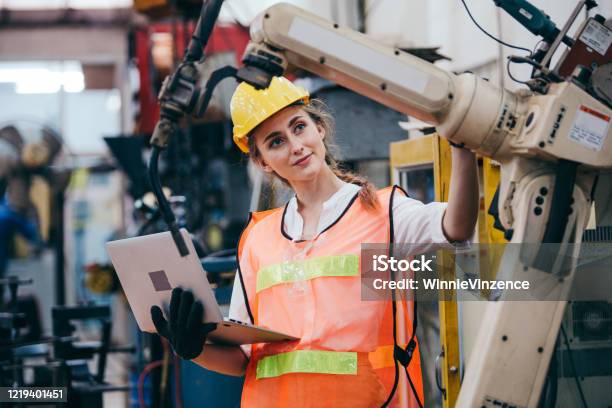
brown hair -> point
(320, 114)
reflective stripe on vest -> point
(286, 272)
(308, 361)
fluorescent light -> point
(72, 81)
(61, 4)
(44, 80)
(37, 85)
(17, 75)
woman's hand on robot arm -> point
(184, 328)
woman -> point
(299, 265)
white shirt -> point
(413, 222)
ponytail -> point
(367, 194)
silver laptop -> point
(150, 266)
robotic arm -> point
(466, 109)
(550, 143)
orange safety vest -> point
(312, 290)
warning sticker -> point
(590, 128)
(597, 36)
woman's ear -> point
(267, 168)
(321, 130)
(261, 163)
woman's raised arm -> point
(463, 197)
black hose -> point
(394, 309)
(168, 122)
(163, 204)
(206, 23)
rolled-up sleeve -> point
(415, 222)
(418, 223)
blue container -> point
(204, 388)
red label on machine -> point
(590, 128)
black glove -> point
(184, 329)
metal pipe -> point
(563, 32)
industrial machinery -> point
(33, 158)
(551, 139)
(26, 149)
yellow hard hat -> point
(250, 107)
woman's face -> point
(290, 144)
